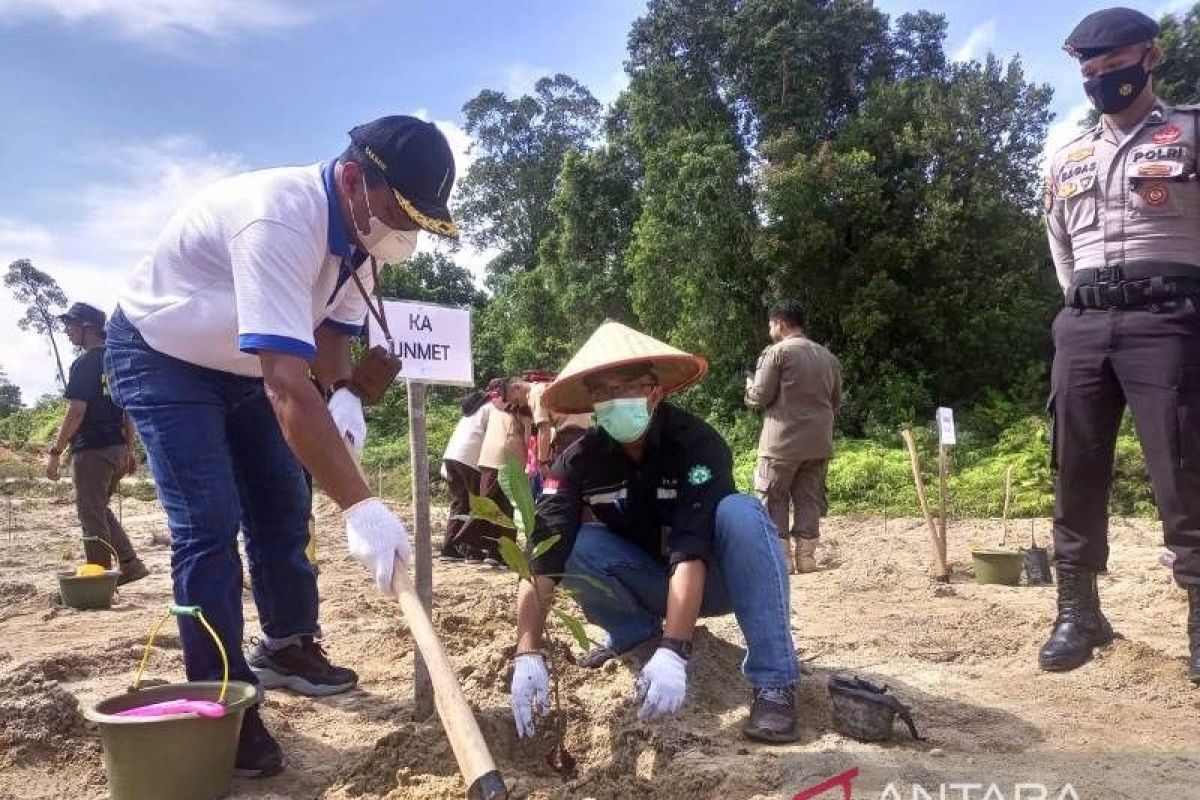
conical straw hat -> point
(617, 345)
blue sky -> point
(115, 110)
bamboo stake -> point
(1007, 502)
(943, 498)
(943, 574)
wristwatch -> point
(680, 647)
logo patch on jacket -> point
(699, 475)
(1166, 135)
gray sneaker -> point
(772, 716)
(304, 668)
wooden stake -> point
(1007, 501)
(943, 498)
(943, 573)
(418, 458)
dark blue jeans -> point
(747, 575)
(220, 463)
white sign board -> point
(433, 341)
(945, 420)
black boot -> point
(1080, 626)
(1193, 591)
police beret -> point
(1109, 29)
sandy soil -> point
(1124, 726)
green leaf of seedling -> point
(486, 509)
(541, 547)
(515, 484)
(586, 578)
(595, 583)
(513, 557)
(575, 627)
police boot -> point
(1080, 625)
(1193, 591)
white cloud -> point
(113, 223)
(519, 79)
(153, 20)
(977, 41)
(123, 217)
(611, 88)
(1064, 129)
(461, 145)
(1172, 7)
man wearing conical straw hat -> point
(672, 539)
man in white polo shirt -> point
(256, 286)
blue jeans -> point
(747, 575)
(220, 463)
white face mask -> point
(387, 245)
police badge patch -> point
(699, 475)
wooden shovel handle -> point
(470, 750)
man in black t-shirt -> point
(101, 440)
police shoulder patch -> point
(699, 475)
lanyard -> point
(377, 313)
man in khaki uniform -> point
(1123, 213)
(798, 386)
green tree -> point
(42, 298)
(915, 240)
(805, 67)
(431, 278)
(1178, 79)
(10, 395)
(521, 143)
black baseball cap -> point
(416, 162)
(1109, 29)
(84, 315)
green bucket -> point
(177, 757)
(88, 591)
(998, 566)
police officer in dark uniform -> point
(1123, 214)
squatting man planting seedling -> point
(668, 538)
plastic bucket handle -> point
(111, 549)
(184, 611)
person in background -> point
(460, 468)
(553, 432)
(505, 438)
(798, 386)
(102, 447)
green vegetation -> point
(764, 149)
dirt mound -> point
(614, 754)
(39, 720)
(17, 592)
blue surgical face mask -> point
(624, 418)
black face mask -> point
(1113, 92)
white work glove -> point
(375, 537)
(530, 692)
(346, 409)
(662, 684)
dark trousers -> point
(479, 534)
(97, 473)
(463, 481)
(1148, 358)
(219, 462)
